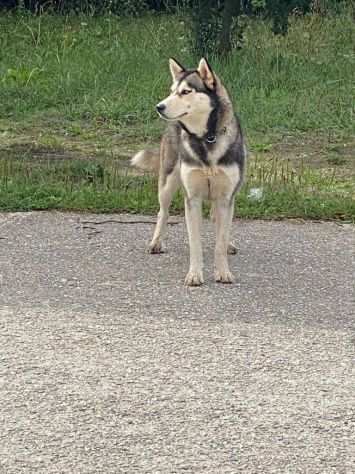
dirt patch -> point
(317, 151)
(330, 152)
(37, 152)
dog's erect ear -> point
(175, 68)
(206, 74)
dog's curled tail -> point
(147, 160)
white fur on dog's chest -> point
(209, 182)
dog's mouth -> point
(169, 119)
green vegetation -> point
(77, 97)
(104, 185)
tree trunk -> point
(202, 19)
(231, 9)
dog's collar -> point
(210, 139)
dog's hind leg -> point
(232, 249)
(167, 190)
(224, 215)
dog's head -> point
(193, 93)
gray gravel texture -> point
(108, 364)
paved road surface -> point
(108, 364)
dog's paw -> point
(194, 278)
(224, 276)
(232, 249)
(155, 247)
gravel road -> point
(108, 364)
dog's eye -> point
(185, 92)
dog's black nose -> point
(160, 108)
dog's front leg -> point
(193, 213)
(232, 249)
(224, 215)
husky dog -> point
(203, 151)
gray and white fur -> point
(203, 152)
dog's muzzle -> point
(160, 108)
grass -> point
(77, 96)
(104, 185)
(112, 70)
